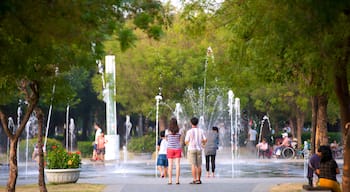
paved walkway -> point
(253, 176)
(208, 185)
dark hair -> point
(216, 129)
(194, 121)
(173, 127)
(326, 153)
(162, 133)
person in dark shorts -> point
(162, 160)
(101, 150)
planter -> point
(59, 176)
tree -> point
(302, 42)
(58, 34)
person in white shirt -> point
(195, 139)
(97, 134)
(263, 148)
(252, 133)
(162, 160)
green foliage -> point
(142, 144)
(58, 158)
(31, 144)
(306, 136)
(86, 148)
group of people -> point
(323, 165)
(170, 150)
(99, 144)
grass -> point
(74, 187)
(287, 187)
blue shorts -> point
(162, 160)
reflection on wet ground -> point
(241, 169)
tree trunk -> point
(321, 126)
(300, 115)
(314, 110)
(13, 172)
(41, 179)
(32, 96)
(342, 92)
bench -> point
(307, 188)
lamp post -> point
(209, 54)
(158, 99)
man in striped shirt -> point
(195, 139)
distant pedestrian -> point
(174, 150)
(328, 170)
(313, 165)
(210, 149)
(35, 154)
(101, 149)
(263, 149)
(195, 139)
(98, 131)
(252, 133)
(162, 160)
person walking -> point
(210, 149)
(195, 139)
(162, 160)
(328, 170)
(98, 131)
(174, 150)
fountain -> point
(128, 126)
(72, 134)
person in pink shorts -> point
(174, 150)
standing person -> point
(35, 154)
(98, 131)
(162, 160)
(263, 148)
(328, 170)
(174, 150)
(195, 138)
(210, 150)
(313, 165)
(101, 150)
(252, 140)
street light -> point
(158, 99)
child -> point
(101, 146)
(162, 160)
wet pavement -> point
(256, 175)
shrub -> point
(58, 158)
(144, 144)
(86, 148)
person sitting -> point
(328, 170)
(285, 143)
(263, 148)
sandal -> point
(193, 182)
(169, 183)
(198, 182)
